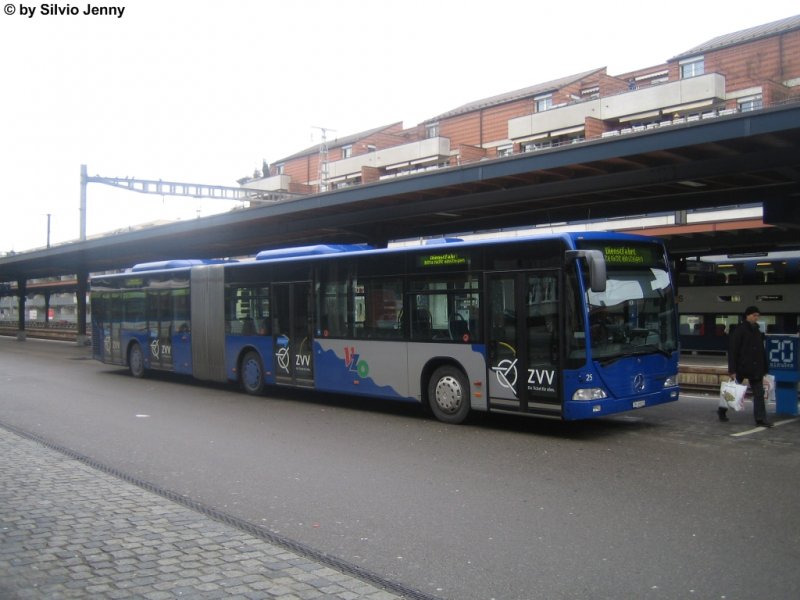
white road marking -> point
(759, 428)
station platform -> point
(702, 371)
(70, 530)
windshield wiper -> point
(656, 347)
(607, 360)
(633, 351)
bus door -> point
(181, 332)
(291, 329)
(112, 329)
(523, 342)
(160, 313)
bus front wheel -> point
(448, 394)
(252, 374)
(136, 361)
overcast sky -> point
(200, 91)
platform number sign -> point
(782, 352)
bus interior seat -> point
(423, 322)
(248, 328)
(458, 329)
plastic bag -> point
(731, 395)
(769, 388)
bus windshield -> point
(635, 313)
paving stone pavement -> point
(68, 530)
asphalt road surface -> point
(661, 503)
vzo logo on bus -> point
(354, 363)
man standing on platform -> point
(747, 359)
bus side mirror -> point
(596, 263)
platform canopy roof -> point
(733, 160)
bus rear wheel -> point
(252, 374)
(448, 395)
(136, 361)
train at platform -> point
(714, 291)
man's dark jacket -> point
(747, 356)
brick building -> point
(740, 71)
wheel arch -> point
(252, 378)
(129, 346)
(430, 368)
(243, 351)
(143, 350)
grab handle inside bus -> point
(596, 263)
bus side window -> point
(378, 307)
(248, 328)
(247, 310)
(446, 309)
(459, 327)
(332, 311)
(421, 325)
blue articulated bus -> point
(567, 326)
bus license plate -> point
(638, 403)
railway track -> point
(64, 334)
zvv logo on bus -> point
(284, 358)
(110, 345)
(506, 373)
(157, 349)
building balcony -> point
(694, 93)
(429, 151)
(276, 183)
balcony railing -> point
(665, 98)
(428, 151)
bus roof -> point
(162, 265)
(316, 250)
(319, 250)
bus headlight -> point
(589, 394)
(671, 381)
